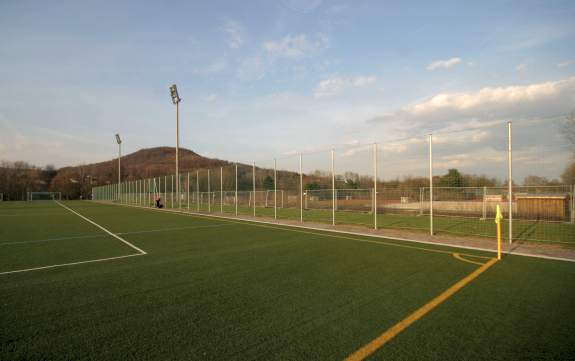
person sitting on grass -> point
(159, 203)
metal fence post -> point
(375, 186)
(572, 203)
(275, 189)
(197, 190)
(510, 180)
(236, 194)
(254, 186)
(221, 189)
(484, 203)
(336, 196)
(431, 184)
(332, 188)
(209, 194)
(300, 190)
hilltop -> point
(76, 180)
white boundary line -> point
(140, 251)
(70, 264)
(52, 239)
(191, 213)
(102, 228)
(33, 214)
(176, 229)
(89, 236)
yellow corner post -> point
(498, 218)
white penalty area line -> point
(51, 239)
(103, 229)
(93, 236)
(33, 214)
(71, 264)
(177, 229)
(140, 251)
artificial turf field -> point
(206, 288)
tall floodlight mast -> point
(119, 141)
(176, 100)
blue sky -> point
(264, 79)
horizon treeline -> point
(17, 178)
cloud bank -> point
(539, 99)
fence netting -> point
(389, 185)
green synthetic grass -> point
(40, 234)
(537, 231)
(219, 290)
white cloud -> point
(443, 64)
(540, 99)
(213, 68)
(521, 68)
(495, 96)
(237, 34)
(330, 87)
(463, 137)
(363, 81)
(297, 46)
(563, 64)
(40, 145)
(402, 146)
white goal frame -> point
(50, 196)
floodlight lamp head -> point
(174, 93)
(118, 139)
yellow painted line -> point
(366, 240)
(385, 337)
(458, 256)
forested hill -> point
(17, 178)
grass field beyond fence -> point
(217, 289)
(523, 230)
(540, 214)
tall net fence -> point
(450, 183)
(288, 188)
(354, 193)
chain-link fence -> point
(436, 185)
